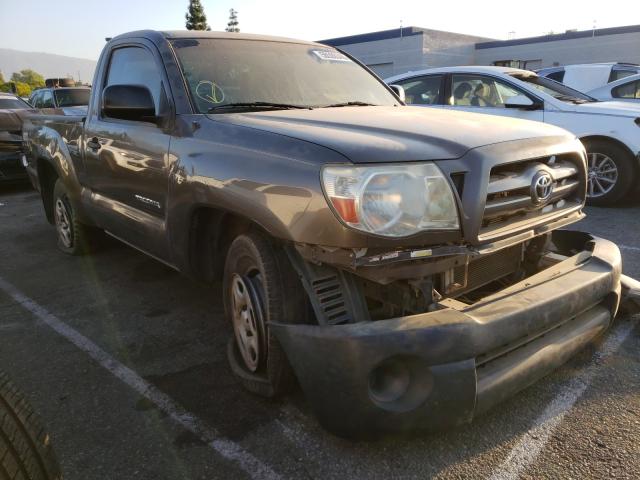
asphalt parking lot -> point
(125, 361)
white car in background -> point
(624, 90)
(610, 131)
(587, 76)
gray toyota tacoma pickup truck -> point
(405, 265)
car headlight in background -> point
(394, 201)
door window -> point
(617, 74)
(481, 91)
(422, 90)
(557, 76)
(35, 100)
(628, 90)
(46, 99)
(135, 66)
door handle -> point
(94, 144)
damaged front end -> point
(394, 351)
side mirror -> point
(522, 102)
(399, 91)
(129, 102)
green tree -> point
(1, 78)
(31, 78)
(23, 89)
(196, 19)
(232, 26)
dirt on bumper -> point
(439, 369)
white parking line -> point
(226, 448)
(525, 452)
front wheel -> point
(259, 287)
(610, 172)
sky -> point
(78, 28)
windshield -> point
(222, 72)
(72, 97)
(7, 103)
(555, 89)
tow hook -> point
(630, 301)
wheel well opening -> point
(47, 177)
(211, 233)
(612, 141)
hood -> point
(620, 109)
(384, 134)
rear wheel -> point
(25, 447)
(259, 287)
(74, 238)
(610, 172)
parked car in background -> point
(11, 152)
(72, 100)
(9, 101)
(11, 148)
(587, 76)
(625, 90)
(407, 264)
(610, 131)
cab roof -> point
(178, 34)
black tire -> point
(79, 239)
(276, 289)
(626, 171)
(25, 447)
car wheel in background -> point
(260, 286)
(610, 172)
(25, 446)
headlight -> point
(394, 201)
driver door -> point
(127, 162)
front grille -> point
(512, 199)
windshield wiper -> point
(255, 105)
(350, 104)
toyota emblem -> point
(541, 187)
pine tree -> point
(196, 19)
(232, 26)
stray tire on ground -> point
(25, 447)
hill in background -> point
(47, 64)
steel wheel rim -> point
(602, 175)
(248, 320)
(63, 224)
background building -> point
(390, 52)
(400, 50)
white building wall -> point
(430, 48)
(606, 48)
